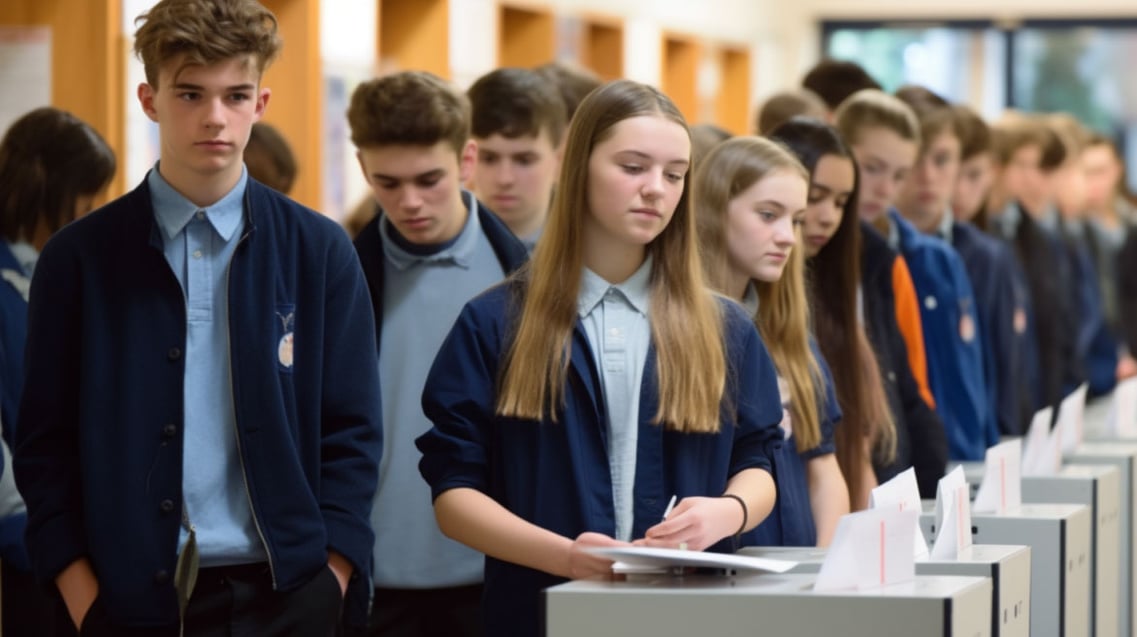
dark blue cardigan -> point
(556, 474)
(99, 451)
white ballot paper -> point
(1122, 419)
(870, 548)
(901, 493)
(1042, 453)
(1001, 489)
(645, 556)
(953, 516)
(1071, 421)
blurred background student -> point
(269, 158)
(53, 167)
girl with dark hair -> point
(52, 167)
(886, 421)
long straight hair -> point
(686, 320)
(728, 170)
(833, 277)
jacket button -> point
(161, 577)
(167, 505)
(170, 430)
(174, 353)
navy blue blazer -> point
(13, 333)
(1096, 345)
(791, 522)
(920, 439)
(1047, 264)
(1004, 311)
(953, 341)
(556, 474)
(98, 454)
(1127, 289)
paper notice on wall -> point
(25, 71)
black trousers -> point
(238, 601)
(28, 608)
(437, 612)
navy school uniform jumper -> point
(1004, 307)
(556, 474)
(1095, 342)
(953, 341)
(13, 332)
(1047, 265)
(1127, 288)
(791, 521)
(99, 457)
(920, 439)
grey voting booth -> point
(737, 606)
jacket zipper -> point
(233, 399)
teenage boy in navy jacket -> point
(200, 392)
(432, 247)
(517, 121)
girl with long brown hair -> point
(571, 403)
(750, 197)
(886, 424)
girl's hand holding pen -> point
(696, 523)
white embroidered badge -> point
(967, 328)
(284, 348)
(1020, 320)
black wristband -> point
(745, 511)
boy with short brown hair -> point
(431, 247)
(202, 423)
(517, 122)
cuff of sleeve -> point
(53, 546)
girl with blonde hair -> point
(751, 194)
(571, 403)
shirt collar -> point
(750, 299)
(636, 290)
(947, 223)
(173, 211)
(459, 252)
(893, 236)
(25, 254)
(1007, 223)
(1049, 219)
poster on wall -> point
(25, 71)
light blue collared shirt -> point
(749, 300)
(946, 228)
(616, 321)
(26, 254)
(199, 244)
(1007, 222)
(424, 291)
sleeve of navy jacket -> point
(351, 430)
(752, 383)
